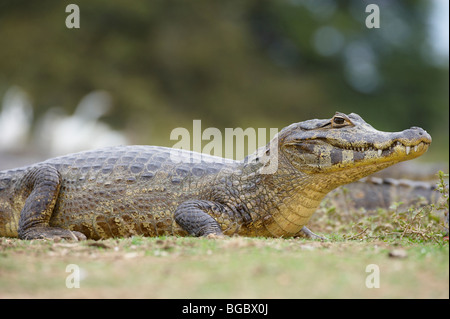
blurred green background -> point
(239, 63)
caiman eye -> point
(340, 121)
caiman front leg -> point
(196, 217)
(43, 185)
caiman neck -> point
(285, 200)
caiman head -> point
(345, 148)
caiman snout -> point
(420, 131)
(406, 144)
(415, 135)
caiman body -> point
(152, 191)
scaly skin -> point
(146, 190)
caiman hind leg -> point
(195, 217)
(42, 183)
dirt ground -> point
(172, 267)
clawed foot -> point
(306, 233)
(215, 236)
(53, 233)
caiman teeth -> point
(379, 151)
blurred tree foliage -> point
(229, 63)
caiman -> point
(152, 191)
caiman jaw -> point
(394, 147)
(371, 154)
(346, 143)
(400, 148)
